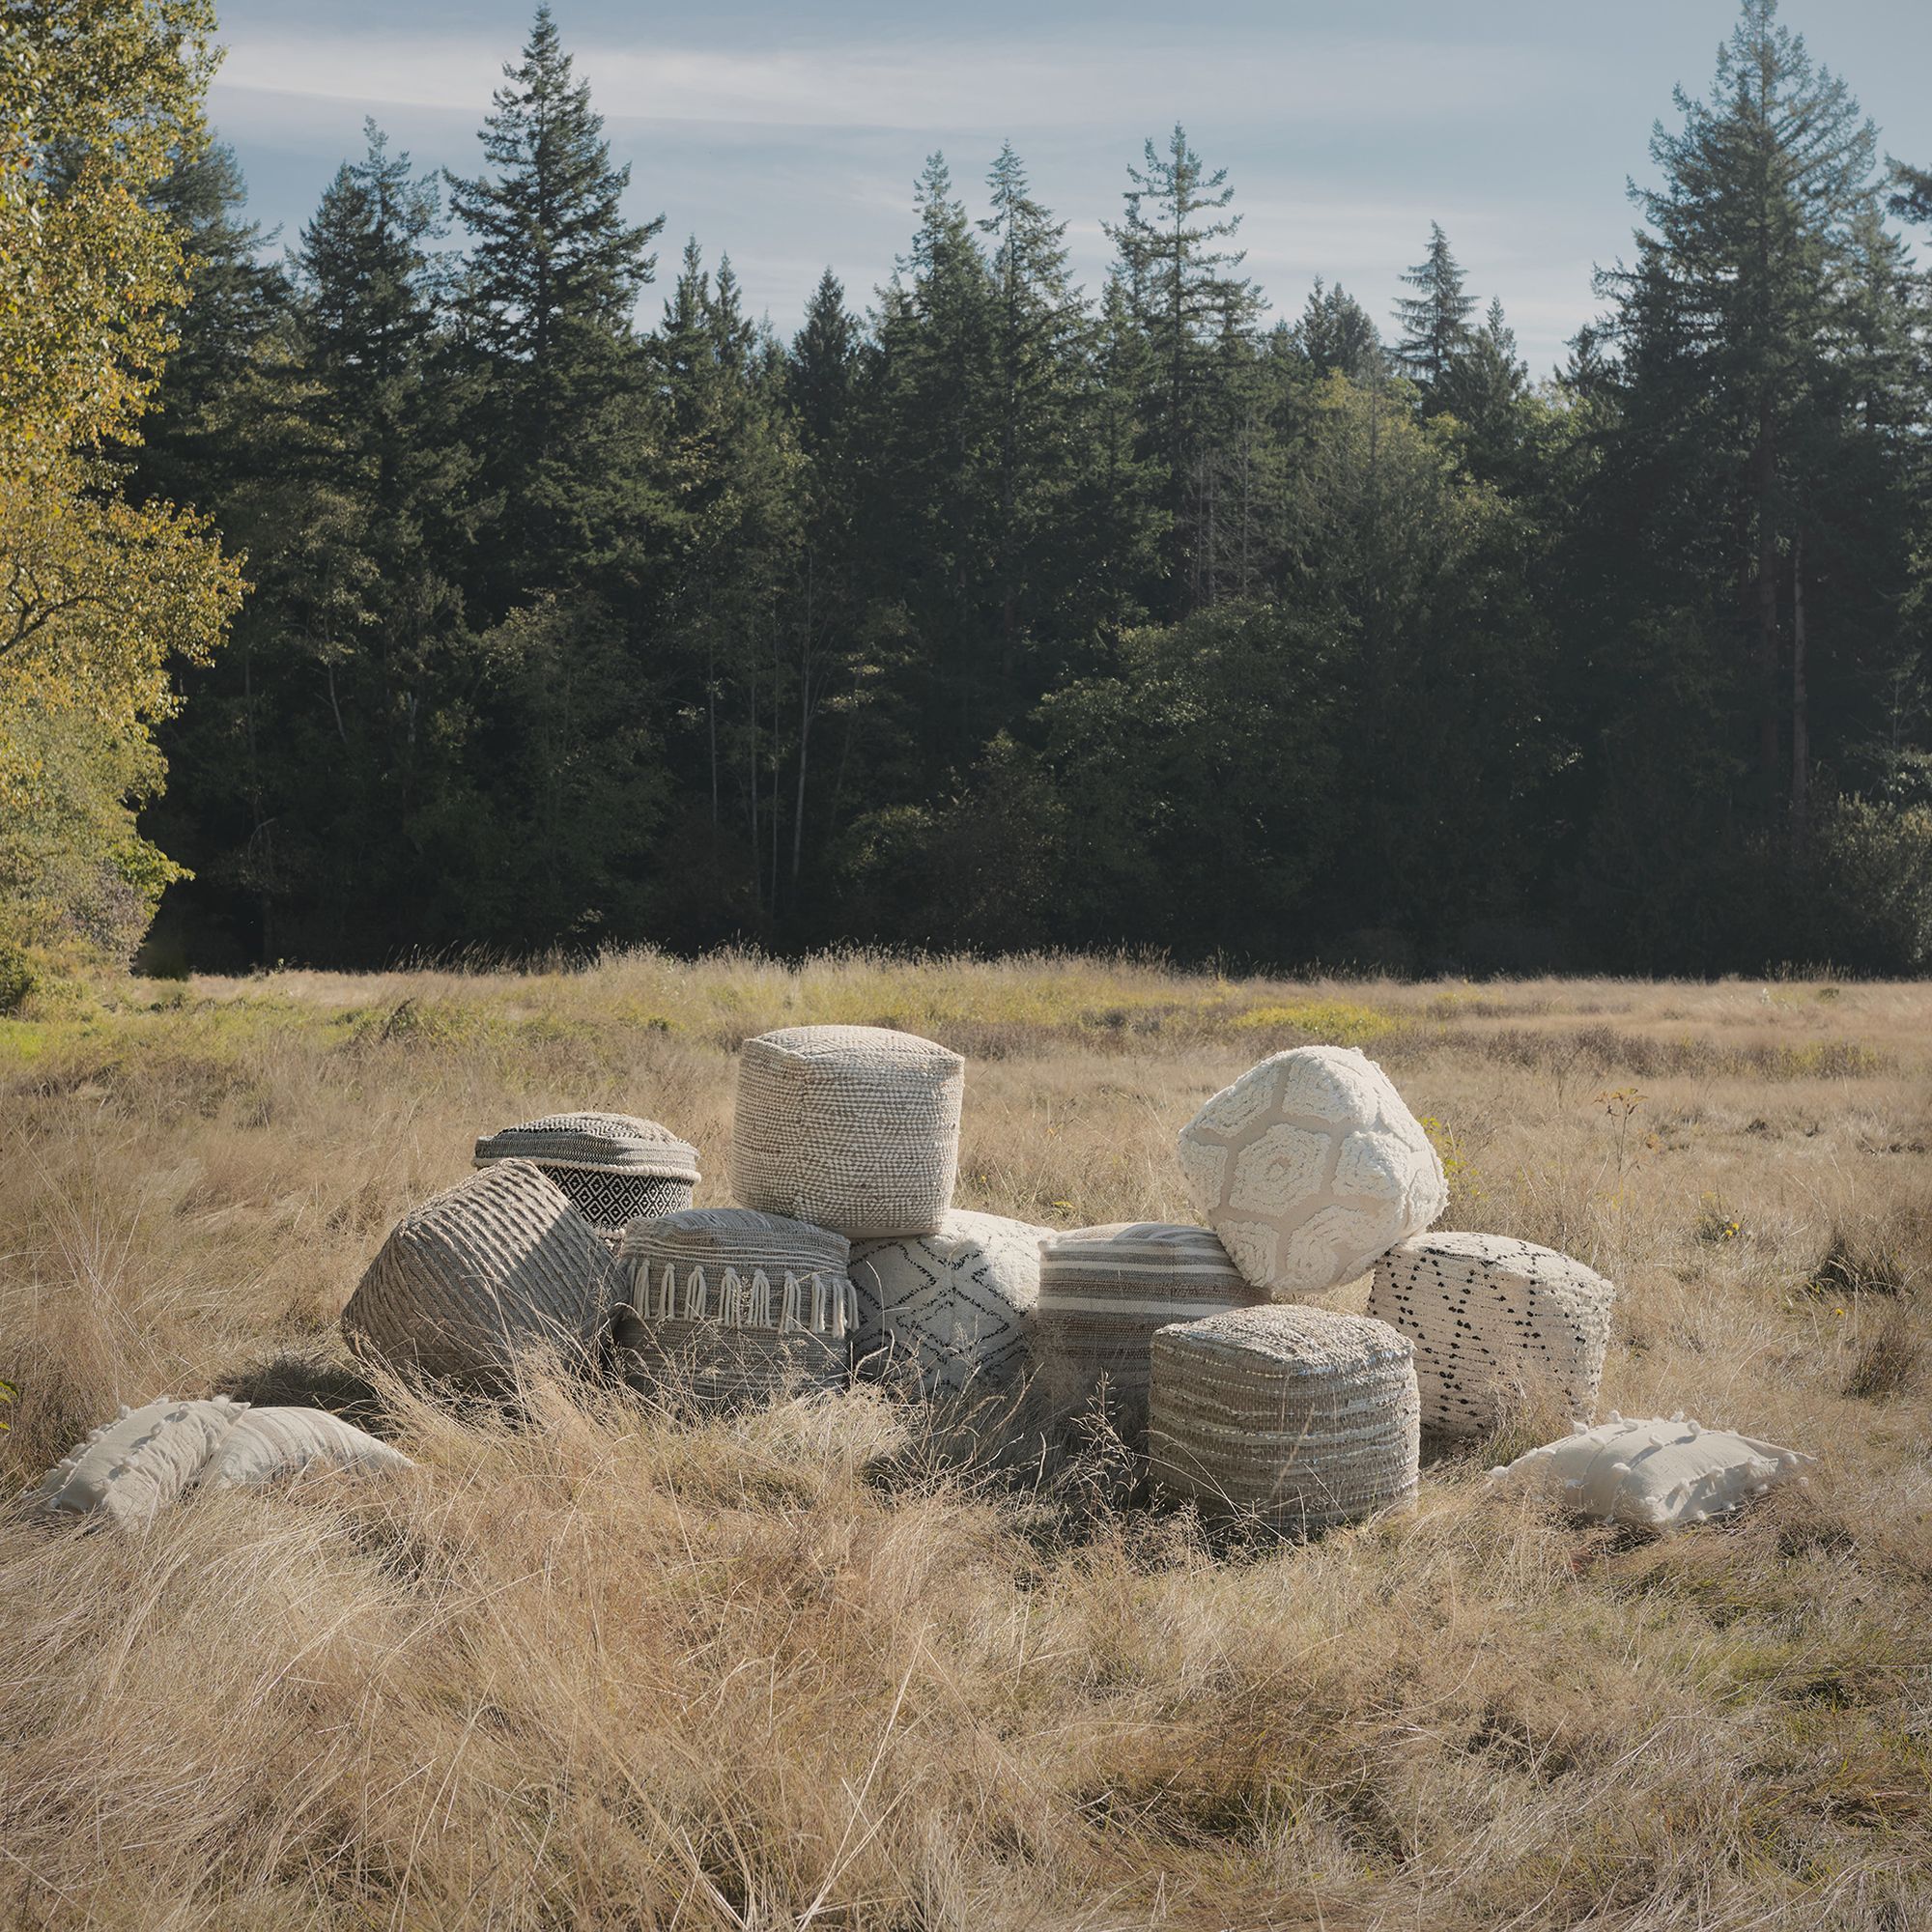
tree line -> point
(994, 611)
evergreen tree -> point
(1335, 332)
(1435, 321)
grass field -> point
(594, 1667)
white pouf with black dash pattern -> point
(1309, 1167)
(1496, 1321)
(955, 1308)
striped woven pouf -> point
(500, 1264)
(1103, 1292)
(614, 1166)
(954, 1308)
(1496, 1321)
(854, 1128)
(1301, 1416)
(735, 1307)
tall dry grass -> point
(595, 1664)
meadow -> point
(596, 1664)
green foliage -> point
(17, 977)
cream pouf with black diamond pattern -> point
(498, 1265)
(1495, 1323)
(1303, 1418)
(614, 1166)
(1309, 1167)
(955, 1307)
(854, 1128)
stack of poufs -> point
(496, 1265)
(615, 1167)
(1299, 1417)
(733, 1307)
(1496, 1321)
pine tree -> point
(1484, 389)
(553, 272)
(1335, 332)
(1435, 321)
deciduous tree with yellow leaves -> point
(99, 599)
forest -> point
(398, 588)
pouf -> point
(1302, 1416)
(954, 1308)
(614, 1166)
(1655, 1474)
(501, 1262)
(854, 1128)
(132, 1468)
(1103, 1292)
(736, 1307)
(1309, 1167)
(1492, 1320)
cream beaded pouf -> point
(500, 1263)
(956, 1307)
(1496, 1321)
(1301, 1416)
(734, 1308)
(615, 1167)
(854, 1128)
(1310, 1166)
(1103, 1292)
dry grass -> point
(594, 1666)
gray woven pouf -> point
(735, 1307)
(1496, 1321)
(1301, 1416)
(614, 1166)
(497, 1264)
(1103, 1292)
(954, 1308)
(854, 1128)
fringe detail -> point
(813, 1304)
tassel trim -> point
(815, 1304)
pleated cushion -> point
(852, 1128)
(266, 1445)
(500, 1263)
(1301, 1416)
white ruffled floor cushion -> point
(852, 1128)
(1655, 1474)
(955, 1308)
(1310, 1167)
(130, 1469)
(1496, 1321)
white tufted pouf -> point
(955, 1307)
(1303, 1418)
(1310, 1166)
(1496, 1321)
(853, 1128)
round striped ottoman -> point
(613, 1166)
(734, 1308)
(1496, 1321)
(1103, 1292)
(1300, 1416)
(855, 1128)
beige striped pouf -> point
(855, 1128)
(1301, 1416)
(734, 1308)
(1103, 1292)
(500, 1264)
(1496, 1321)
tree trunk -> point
(1765, 469)
(1801, 700)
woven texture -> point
(500, 1264)
(613, 1166)
(1309, 1167)
(266, 1445)
(735, 1307)
(130, 1469)
(1492, 1320)
(1302, 1416)
(855, 1128)
(953, 1308)
(1655, 1474)
(1103, 1292)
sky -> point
(790, 136)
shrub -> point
(17, 977)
